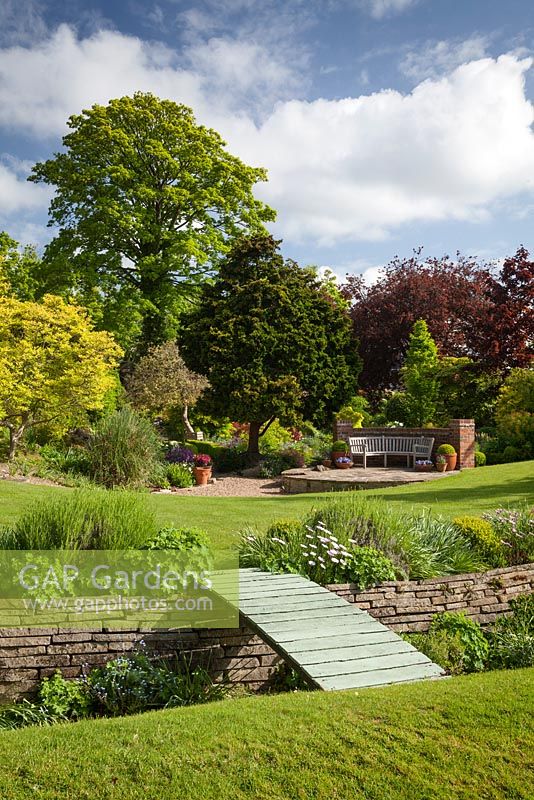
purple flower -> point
(180, 455)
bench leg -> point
(385, 459)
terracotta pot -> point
(327, 462)
(424, 467)
(441, 467)
(451, 461)
(202, 475)
(344, 466)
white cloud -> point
(359, 167)
(241, 73)
(16, 195)
(40, 87)
(381, 8)
(349, 169)
(437, 58)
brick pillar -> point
(462, 437)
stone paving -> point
(296, 481)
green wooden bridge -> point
(333, 644)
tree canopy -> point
(271, 341)
(146, 202)
(18, 268)
(53, 366)
(471, 311)
(161, 382)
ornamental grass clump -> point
(123, 450)
(86, 519)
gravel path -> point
(234, 486)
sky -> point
(385, 125)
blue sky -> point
(384, 124)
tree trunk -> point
(253, 450)
(188, 428)
(15, 435)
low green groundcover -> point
(453, 739)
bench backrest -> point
(423, 447)
(418, 445)
(398, 444)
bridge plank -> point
(331, 642)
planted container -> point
(202, 469)
(340, 449)
(449, 454)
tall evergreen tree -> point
(419, 375)
(272, 342)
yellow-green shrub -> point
(481, 534)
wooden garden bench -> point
(413, 447)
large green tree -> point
(18, 268)
(146, 201)
(272, 342)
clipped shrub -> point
(123, 450)
(467, 633)
(511, 638)
(86, 519)
(340, 446)
(482, 536)
(480, 458)
(446, 450)
(179, 475)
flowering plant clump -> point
(343, 460)
(423, 462)
(315, 553)
(515, 529)
(203, 461)
(440, 459)
(180, 455)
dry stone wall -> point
(408, 606)
(238, 655)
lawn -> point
(469, 492)
(456, 739)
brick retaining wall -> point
(408, 606)
(460, 433)
(239, 656)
